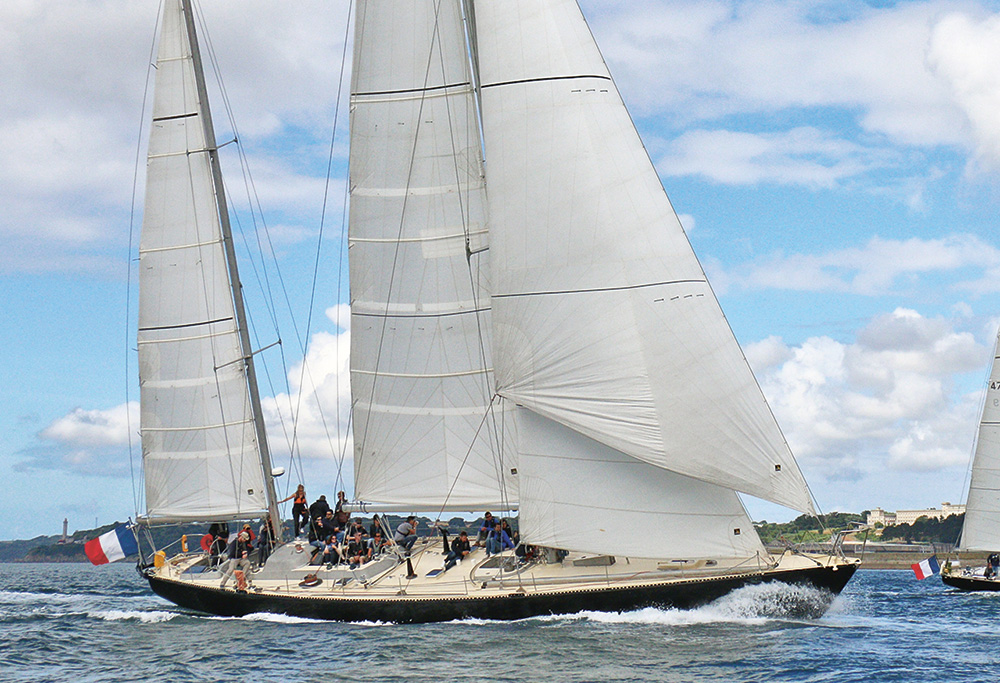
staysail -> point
(981, 529)
(425, 433)
(603, 320)
(201, 458)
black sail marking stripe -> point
(546, 78)
(183, 325)
(411, 90)
(175, 116)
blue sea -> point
(62, 622)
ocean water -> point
(63, 623)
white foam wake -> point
(747, 605)
(272, 618)
(127, 615)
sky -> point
(836, 166)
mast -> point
(234, 278)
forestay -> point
(421, 375)
(603, 319)
(200, 456)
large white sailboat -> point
(981, 527)
(531, 331)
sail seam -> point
(542, 79)
(195, 337)
(182, 325)
(427, 375)
(180, 246)
(197, 428)
(414, 191)
(599, 289)
(417, 240)
(420, 315)
(178, 154)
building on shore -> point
(886, 518)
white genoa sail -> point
(200, 454)
(602, 317)
(580, 494)
(424, 431)
(981, 529)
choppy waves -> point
(82, 623)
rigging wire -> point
(215, 219)
(264, 281)
(128, 268)
(341, 441)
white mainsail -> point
(603, 320)
(421, 378)
(981, 528)
(200, 453)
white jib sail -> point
(581, 495)
(200, 457)
(421, 376)
(981, 529)
(603, 319)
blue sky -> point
(835, 163)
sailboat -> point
(981, 527)
(530, 331)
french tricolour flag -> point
(114, 545)
(928, 567)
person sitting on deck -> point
(460, 549)
(331, 551)
(376, 526)
(485, 528)
(326, 526)
(358, 551)
(376, 545)
(406, 534)
(498, 541)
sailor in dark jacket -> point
(460, 548)
(239, 553)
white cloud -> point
(881, 88)
(713, 59)
(885, 402)
(801, 156)
(69, 125)
(88, 442)
(965, 51)
(877, 268)
(95, 427)
(319, 402)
